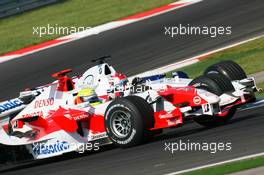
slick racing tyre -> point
(229, 69)
(150, 112)
(216, 84)
(128, 120)
(213, 121)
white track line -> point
(101, 28)
(192, 60)
(216, 164)
(257, 104)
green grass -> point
(249, 56)
(261, 94)
(16, 32)
(230, 168)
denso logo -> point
(10, 104)
(44, 103)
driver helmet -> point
(87, 95)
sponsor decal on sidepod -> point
(45, 148)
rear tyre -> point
(149, 114)
(229, 69)
(128, 120)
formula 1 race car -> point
(102, 107)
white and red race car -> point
(102, 107)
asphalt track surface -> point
(136, 48)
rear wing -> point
(10, 107)
(14, 106)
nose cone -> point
(208, 96)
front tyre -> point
(128, 120)
(228, 68)
(213, 121)
(218, 85)
(214, 83)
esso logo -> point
(44, 103)
(197, 100)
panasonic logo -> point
(10, 104)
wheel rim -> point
(121, 123)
